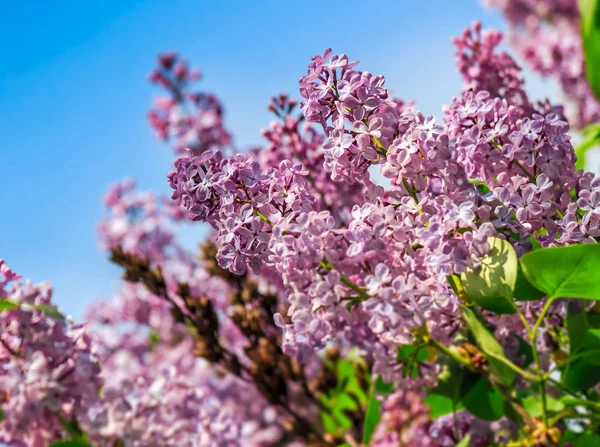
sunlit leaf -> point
(569, 272)
(441, 405)
(533, 404)
(50, 311)
(7, 305)
(464, 442)
(491, 285)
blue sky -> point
(74, 97)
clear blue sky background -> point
(74, 97)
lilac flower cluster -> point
(405, 422)
(144, 357)
(312, 262)
(291, 138)
(356, 111)
(194, 120)
(156, 393)
(136, 222)
(240, 202)
(483, 67)
(546, 34)
(49, 372)
(496, 166)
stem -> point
(9, 349)
(501, 389)
(71, 427)
(359, 291)
(516, 406)
(536, 357)
(440, 347)
(350, 440)
(572, 359)
(511, 365)
(410, 190)
(525, 171)
(263, 217)
(378, 143)
(583, 402)
(523, 319)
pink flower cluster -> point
(546, 34)
(496, 166)
(339, 236)
(193, 120)
(156, 393)
(49, 373)
(136, 224)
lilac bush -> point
(372, 275)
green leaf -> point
(587, 440)
(329, 423)
(441, 405)
(451, 378)
(464, 442)
(511, 413)
(490, 346)
(533, 405)
(576, 327)
(524, 291)
(71, 443)
(50, 311)
(484, 401)
(583, 372)
(568, 272)
(453, 382)
(344, 403)
(411, 356)
(347, 396)
(590, 35)
(347, 381)
(345, 371)
(593, 320)
(569, 436)
(7, 305)
(383, 388)
(405, 351)
(153, 339)
(373, 414)
(580, 376)
(591, 347)
(372, 417)
(491, 285)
